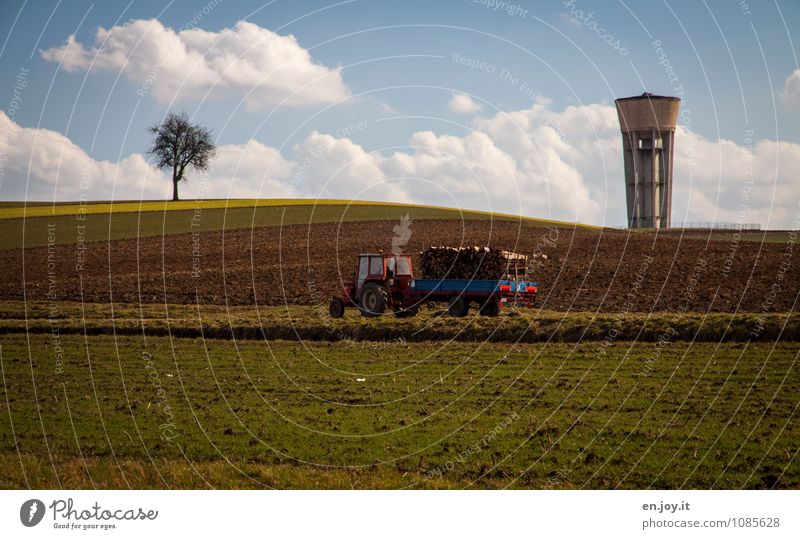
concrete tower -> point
(648, 137)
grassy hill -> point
(28, 225)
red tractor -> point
(380, 281)
(386, 281)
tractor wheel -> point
(373, 300)
(336, 308)
(457, 306)
(490, 307)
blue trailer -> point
(487, 294)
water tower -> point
(648, 139)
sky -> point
(478, 104)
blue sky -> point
(399, 69)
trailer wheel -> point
(373, 300)
(457, 306)
(490, 307)
(336, 308)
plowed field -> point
(586, 270)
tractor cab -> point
(381, 267)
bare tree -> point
(178, 144)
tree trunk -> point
(174, 185)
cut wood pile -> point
(470, 263)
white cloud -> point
(735, 183)
(251, 170)
(339, 168)
(463, 104)
(567, 161)
(39, 164)
(790, 94)
(246, 59)
(563, 165)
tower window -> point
(649, 144)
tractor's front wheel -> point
(373, 299)
(336, 308)
(457, 306)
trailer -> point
(386, 281)
(487, 294)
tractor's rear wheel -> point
(490, 307)
(457, 306)
(373, 299)
(336, 308)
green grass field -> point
(118, 412)
(105, 221)
(10, 210)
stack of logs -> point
(470, 263)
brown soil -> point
(585, 270)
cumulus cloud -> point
(251, 170)
(463, 104)
(247, 59)
(340, 168)
(537, 162)
(790, 94)
(567, 160)
(753, 182)
(39, 164)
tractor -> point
(380, 281)
(386, 281)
